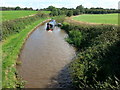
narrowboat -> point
(51, 25)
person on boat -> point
(48, 26)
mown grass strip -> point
(11, 48)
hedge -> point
(97, 64)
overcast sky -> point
(60, 3)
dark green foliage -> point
(76, 12)
(51, 8)
(54, 12)
(100, 11)
(28, 8)
(69, 13)
(63, 10)
(15, 26)
(98, 63)
(17, 8)
(74, 38)
(14, 8)
(59, 12)
(59, 19)
(81, 8)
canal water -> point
(45, 58)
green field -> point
(98, 18)
(10, 15)
(47, 12)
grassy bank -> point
(98, 18)
(11, 48)
(97, 63)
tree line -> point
(78, 10)
(67, 11)
(14, 8)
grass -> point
(98, 18)
(47, 12)
(11, 48)
(10, 15)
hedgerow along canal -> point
(45, 58)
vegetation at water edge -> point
(97, 63)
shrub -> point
(59, 19)
(75, 38)
(69, 13)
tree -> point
(51, 8)
(76, 12)
(81, 8)
(59, 12)
(69, 13)
(54, 12)
(63, 8)
(25, 8)
(37, 9)
(30, 8)
(17, 8)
